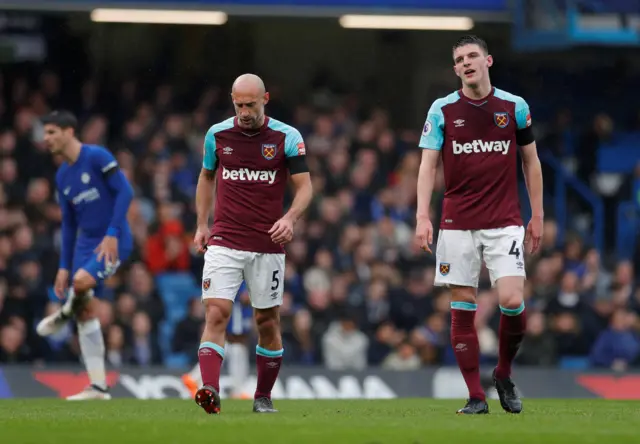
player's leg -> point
(90, 337)
(458, 264)
(264, 277)
(504, 255)
(221, 279)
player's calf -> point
(464, 339)
(269, 354)
(513, 323)
(211, 352)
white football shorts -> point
(226, 268)
(459, 255)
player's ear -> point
(266, 98)
(489, 61)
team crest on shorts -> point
(206, 284)
(445, 267)
(269, 150)
(501, 119)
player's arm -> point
(205, 190)
(532, 173)
(431, 143)
(121, 189)
(295, 153)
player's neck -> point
(72, 152)
(477, 93)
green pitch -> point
(410, 421)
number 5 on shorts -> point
(275, 280)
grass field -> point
(410, 421)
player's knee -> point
(267, 322)
(463, 294)
(216, 316)
(82, 282)
(510, 292)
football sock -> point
(238, 361)
(513, 323)
(92, 349)
(268, 363)
(466, 348)
(210, 356)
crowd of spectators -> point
(358, 290)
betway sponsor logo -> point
(247, 175)
(481, 146)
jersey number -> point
(515, 250)
(275, 280)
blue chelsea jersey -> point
(88, 193)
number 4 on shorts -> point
(515, 250)
(275, 280)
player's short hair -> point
(62, 119)
(471, 40)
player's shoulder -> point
(438, 104)
(281, 127)
(509, 97)
(96, 151)
(62, 171)
(221, 126)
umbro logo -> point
(459, 123)
(227, 150)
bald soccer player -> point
(248, 160)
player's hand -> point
(61, 283)
(201, 238)
(108, 250)
(282, 231)
(533, 236)
(424, 234)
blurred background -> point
(358, 87)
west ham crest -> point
(269, 150)
(501, 119)
(445, 267)
(206, 284)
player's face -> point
(56, 138)
(249, 108)
(471, 64)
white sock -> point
(238, 357)
(92, 348)
(196, 375)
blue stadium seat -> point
(176, 289)
(574, 362)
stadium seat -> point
(574, 362)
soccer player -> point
(94, 198)
(475, 131)
(249, 158)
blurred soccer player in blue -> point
(94, 197)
